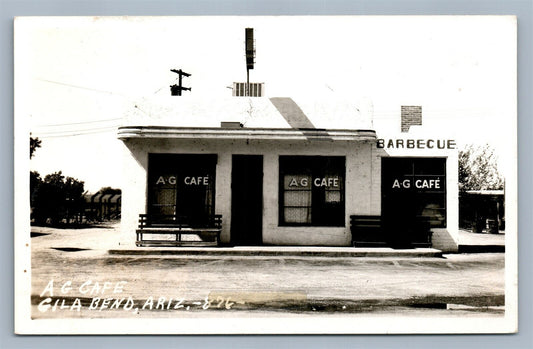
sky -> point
(76, 77)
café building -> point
(284, 171)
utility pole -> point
(175, 90)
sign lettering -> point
(328, 182)
(189, 180)
(196, 180)
(302, 183)
(170, 180)
(404, 184)
(431, 183)
(416, 144)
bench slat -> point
(176, 226)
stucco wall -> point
(134, 171)
(359, 187)
(362, 186)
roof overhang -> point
(289, 134)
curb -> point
(222, 252)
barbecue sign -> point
(416, 143)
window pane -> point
(333, 196)
(165, 197)
(165, 210)
(297, 215)
(316, 182)
(301, 198)
(183, 185)
(433, 208)
(430, 166)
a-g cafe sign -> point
(304, 182)
(187, 180)
(419, 183)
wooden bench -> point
(369, 230)
(177, 226)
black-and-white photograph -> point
(284, 174)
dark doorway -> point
(413, 198)
(247, 200)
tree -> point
(35, 181)
(34, 144)
(478, 169)
(57, 198)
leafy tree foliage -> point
(35, 181)
(56, 197)
(34, 144)
(478, 169)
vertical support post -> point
(247, 92)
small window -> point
(182, 185)
(256, 89)
(414, 188)
(312, 190)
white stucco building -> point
(284, 171)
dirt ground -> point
(163, 286)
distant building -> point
(482, 210)
(102, 206)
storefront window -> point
(182, 185)
(414, 188)
(312, 190)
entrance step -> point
(282, 251)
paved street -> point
(456, 284)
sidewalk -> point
(105, 239)
(282, 251)
(481, 242)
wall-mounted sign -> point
(187, 180)
(416, 143)
(419, 183)
(166, 180)
(328, 182)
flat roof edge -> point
(137, 132)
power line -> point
(78, 129)
(159, 89)
(76, 134)
(79, 123)
(80, 87)
(59, 132)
